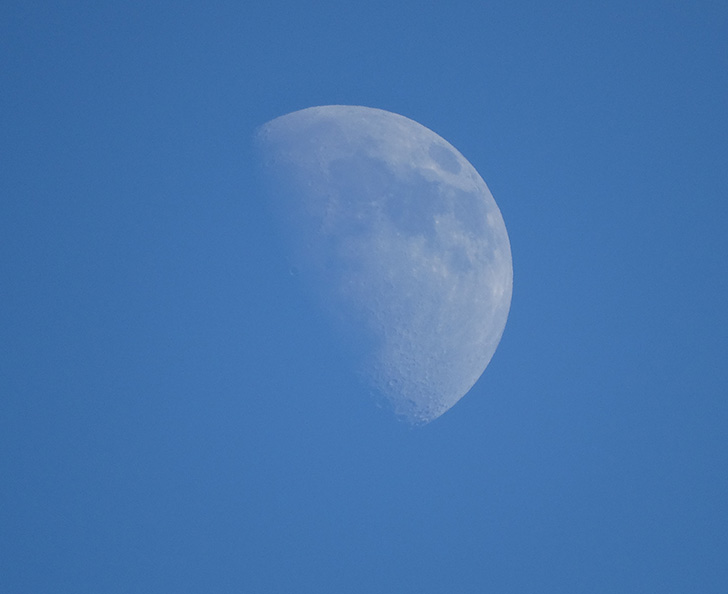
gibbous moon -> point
(401, 244)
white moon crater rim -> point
(400, 242)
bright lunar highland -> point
(401, 244)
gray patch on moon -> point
(445, 158)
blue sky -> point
(173, 416)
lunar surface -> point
(400, 243)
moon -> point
(401, 245)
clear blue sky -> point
(174, 419)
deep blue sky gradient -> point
(175, 418)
